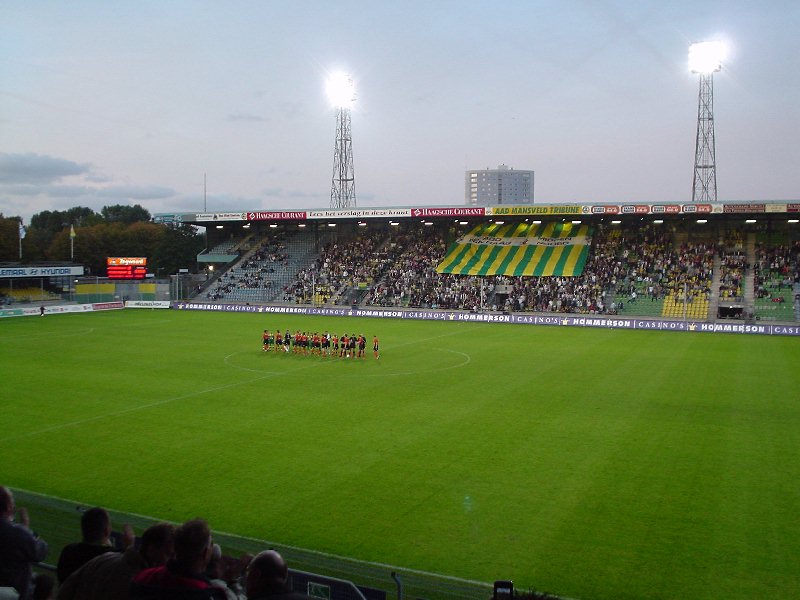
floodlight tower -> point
(341, 93)
(705, 59)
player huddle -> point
(326, 344)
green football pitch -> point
(587, 463)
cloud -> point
(22, 190)
(291, 110)
(97, 178)
(239, 116)
(37, 169)
(68, 191)
(136, 192)
(299, 194)
(214, 203)
(367, 198)
(278, 192)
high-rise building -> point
(503, 185)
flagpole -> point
(20, 234)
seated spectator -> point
(19, 547)
(43, 587)
(268, 577)
(109, 576)
(96, 531)
(225, 572)
(182, 578)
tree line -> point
(119, 230)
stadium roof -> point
(660, 209)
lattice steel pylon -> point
(704, 184)
(343, 188)
(705, 59)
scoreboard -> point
(126, 268)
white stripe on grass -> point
(158, 403)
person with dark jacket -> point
(182, 578)
(19, 547)
(96, 540)
(109, 576)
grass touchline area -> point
(590, 463)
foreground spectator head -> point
(158, 544)
(6, 503)
(184, 576)
(96, 531)
(109, 575)
(95, 526)
(193, 547)
(266, 575)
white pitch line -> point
(437, 370)
(46, 334)
(234, 366)
(128, 410)
(183, 397)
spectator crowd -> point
(165, 563)
(625, 267)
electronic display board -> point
(126, 268)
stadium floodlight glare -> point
(793, 221)
(342, 95)
(340, 89)
(706, 57)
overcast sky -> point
(108, 102)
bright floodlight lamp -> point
(341, 93)
(706, 57)
(340, 90)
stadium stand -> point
(263, 273)
(28, 294)
(656, 271)
(777, 282)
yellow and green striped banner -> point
(520, 249)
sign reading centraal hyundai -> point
(9, 272)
